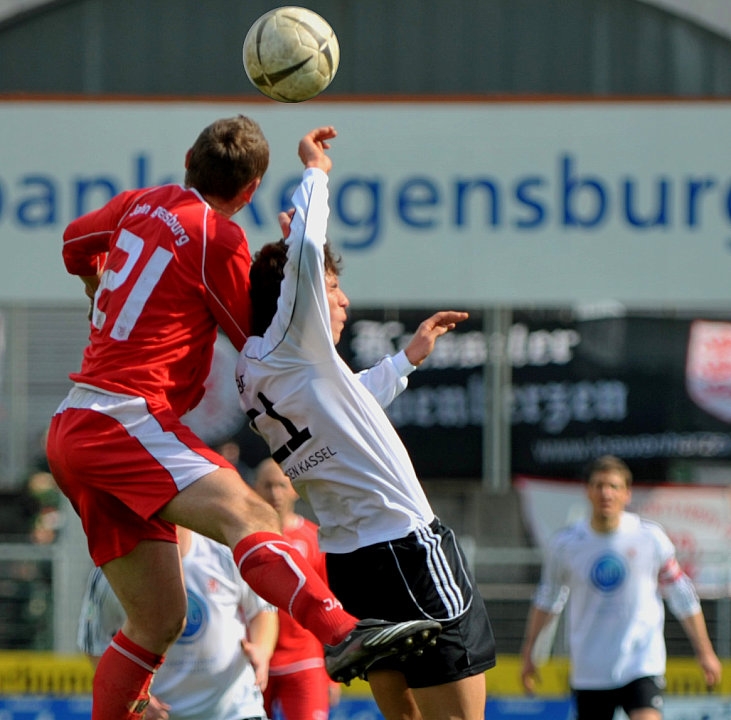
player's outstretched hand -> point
(421, 345)
(313, 145)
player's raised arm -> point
(313, 145)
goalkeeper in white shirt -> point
(614, 569)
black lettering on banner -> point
(297, 437)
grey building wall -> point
(185, 47)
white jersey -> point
(324, 423)
(206, 674)
(613, 583)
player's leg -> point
(461, 700)
(393, 696)
(595, 704)
(89, 453)
(149, 584)
(642, 699)
(222, 506)
(645, 714)
(140, 580)
(149, 462)
(422, 575)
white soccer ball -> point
(291, 54)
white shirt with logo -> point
(206, 674)
(615, 610)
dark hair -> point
(226, 157)
(609, 463)
(265, 276)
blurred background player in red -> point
(299, 688)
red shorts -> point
(119, 463)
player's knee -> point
(177, 629)
(172, 627)
(251, 513)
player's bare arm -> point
(529, 673)
(259, 647)
(697, 632)
(91, 283)
(421, 345)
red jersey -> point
(174, 270)
(297, 648)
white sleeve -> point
(676, 587)
(388, 378)
(552, 592)
(101, 615)
(682, 597)
(302, 318)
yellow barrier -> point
(684, 677)
(41, 673)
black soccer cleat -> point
(372, 640)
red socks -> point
(122, 680)
(277, 572)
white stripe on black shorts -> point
(423, 575)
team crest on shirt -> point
(608, 572)
(197, 618)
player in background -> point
(219, 667)
(325, 425)
(165, 266)
(614, 569)
(298, 685)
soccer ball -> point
(291, 54)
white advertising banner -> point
(696, 518)
(433, 203)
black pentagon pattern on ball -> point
(271, 79)
(322, 43)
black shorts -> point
(421, 576)
(645, 692)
